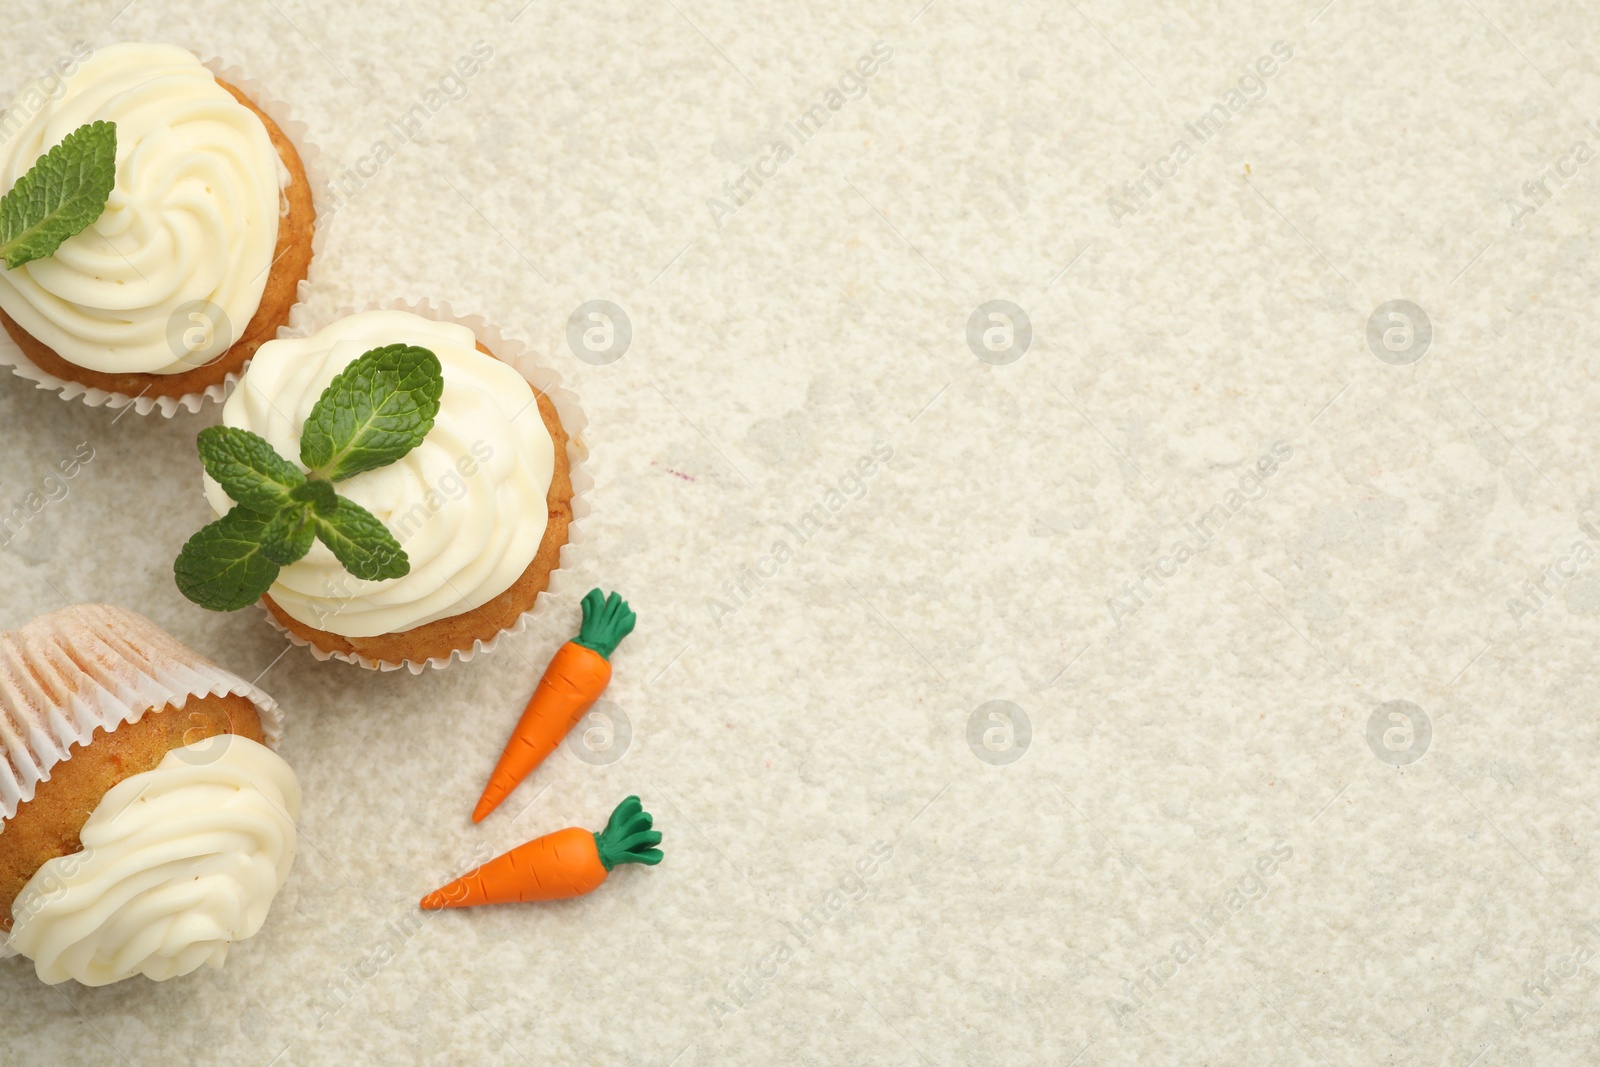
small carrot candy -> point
(577, 675)
(567, 863)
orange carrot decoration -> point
(577, 675)
(567, 863)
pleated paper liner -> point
(88, 667)
(310, 158)
(563, 584)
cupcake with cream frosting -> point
(145, 823)
(478, 506)
(197, 257)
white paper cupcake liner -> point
(310, 158)
(511, 350)
(88, 667)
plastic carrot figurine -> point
(576, 677)
(567, 863)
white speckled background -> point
(1432, 911)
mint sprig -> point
(247, 468)
(223, 567)
(375, 411)
(360, 542)
(60, 196)
(288, 535)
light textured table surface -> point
(1191, 723)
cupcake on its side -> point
(198, 255)
(144, 824)
(473, 508)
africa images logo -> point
(851, 85)
(1216, 120)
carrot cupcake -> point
(396, 492)
(198, 254)
(146, 824)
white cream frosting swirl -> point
(467, 504)
(177, 864)
(189, 230)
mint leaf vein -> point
(289, 534)
(248, 468)
(361, 543)
(60, 196)
(222, 567)
(373, 412)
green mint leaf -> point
(318, 493)
(289, 534)
(221, 568)
(361, 543)
(376, 410)
(61, 196)
(248, 469)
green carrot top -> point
(628, 838)
(606, 621)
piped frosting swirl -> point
(177, 864)
(174, 269)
